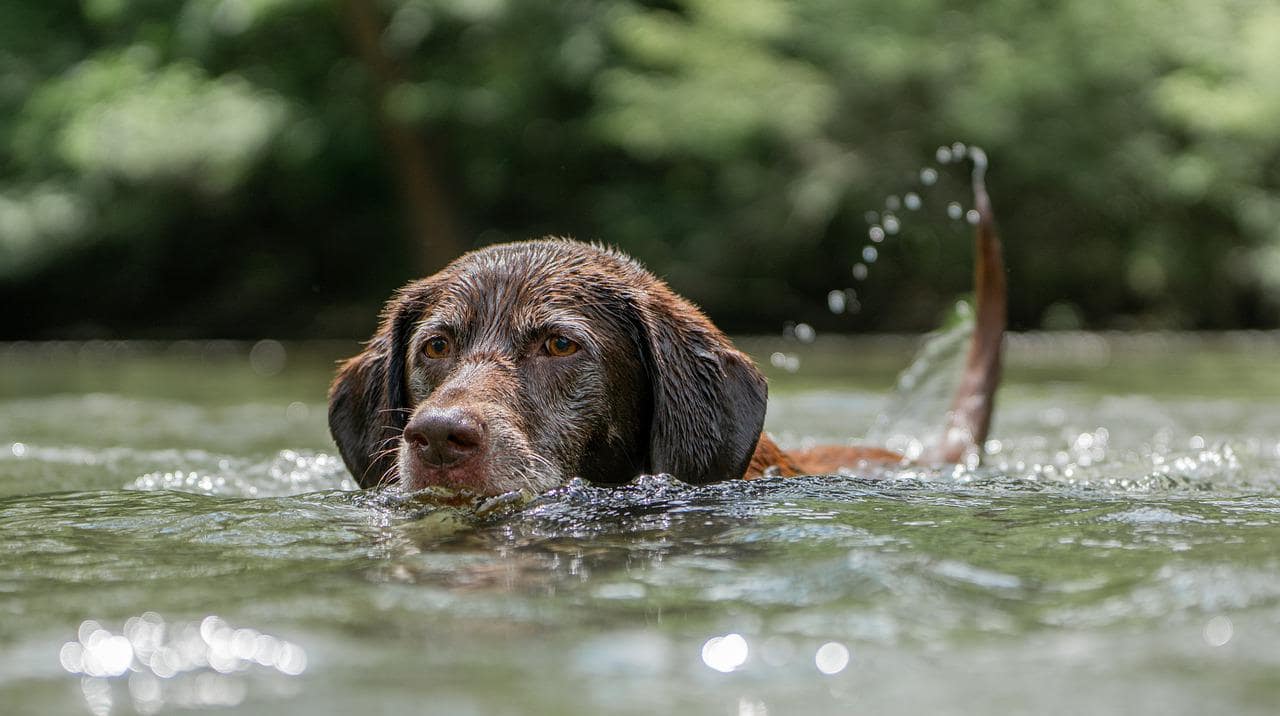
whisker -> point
(528, 471)
(390, 440)
(382, 454)
(386, 476)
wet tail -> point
(969, 417)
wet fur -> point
(656, 388)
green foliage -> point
(225, 160)
(705, 86)
(117, 116)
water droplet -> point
(876, 233)
(836, 301)
(958, 151)
(928, 176)
(869, 254)
(871, 217)
(972, 216)
(805, 333)
(891, 224)
(912, 201)
(860, 271)
(892, 202)
(954, 210)
(943, 155)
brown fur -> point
(654, 387)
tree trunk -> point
(429, 213)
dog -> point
(521, 366)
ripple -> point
(288, 473)
(1152, 516)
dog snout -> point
(447, 437)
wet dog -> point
(520, 366)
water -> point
(177, 534)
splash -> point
(909, 425)
(943, 367)
(890, 221)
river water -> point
(176, 532)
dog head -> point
(524, 365)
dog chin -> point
(482, 477)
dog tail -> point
(969, 417)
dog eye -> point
(436, 347)
(559, 346)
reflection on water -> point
(194, 665)
(725, 653)
(1116, 553)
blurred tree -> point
(430, 211)
(235, 167)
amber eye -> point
(559, 346)
(436, 347)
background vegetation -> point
(251, 167)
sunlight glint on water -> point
(202, 665)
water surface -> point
(176, 532)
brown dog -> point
(520, 366)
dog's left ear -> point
(369, 401)
(708, 397)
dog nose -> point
(445, 437)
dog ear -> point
(369, 401)
(708, 398)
